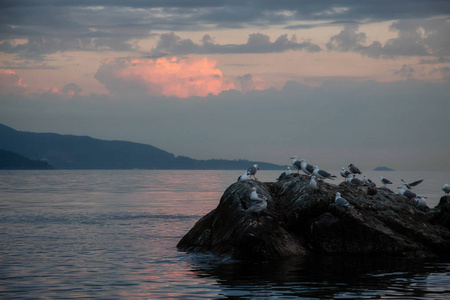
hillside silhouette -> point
(84, 152)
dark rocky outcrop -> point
(299, 221)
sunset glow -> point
(185, 77)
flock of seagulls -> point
(317, 176)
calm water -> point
(113, 235)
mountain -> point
(83, 152)
(13, 161)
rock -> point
(299, 221)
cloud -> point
(248, 83)
(47, 27)
(11, 83)
(180, 77)
(405, 71)
(348, 39)
(170, 44)
(415, 38)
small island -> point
(298, 220)
(383, 169)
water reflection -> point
(322, 277)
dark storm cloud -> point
(51, 26)
(256, 43)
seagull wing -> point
(416, 182)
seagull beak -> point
(398, 187)
(258, 169)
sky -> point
(332, 82)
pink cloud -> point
(180, 77)
(11, 83)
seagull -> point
(260, 206)
(285, 173)
(243, 177)
(366, 180)
(446, 189)
(256, 196)
(352, 168)
(313, 183)
(344, 172)
(306, 168)
(252, 171)
(385, 181)
(354, 181)
(411, 184)
(340, 201)
(406, 193)
(421, 202)
(296, 163)
(322, 174)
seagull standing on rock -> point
(340, 201)
(306, 168)
(243, 177)
(285, 173)
(366, 180)
(252, 171)
(344, 172)
(446, 189)
(260, 206)
(421, 202)
(406, 193)
(296, 163)
(313, 183)
(322, 174)
(352, 168)
(385, 181)
(354, 181)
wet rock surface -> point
(299, 221)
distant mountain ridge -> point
(83, 152)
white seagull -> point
(296, 163)
(354, 181)
(446, 189)
(406, 193)
(260, 206)
(385, 181)
(252, 171)
(344, 172)
(243, 177)
(306, 168)
(313, 183)
(285, 173)
(366, 180)
(352, 168)
(322, 174)
(340, 201)
(421, 202)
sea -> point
(112, 234)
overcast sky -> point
(333, 82)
